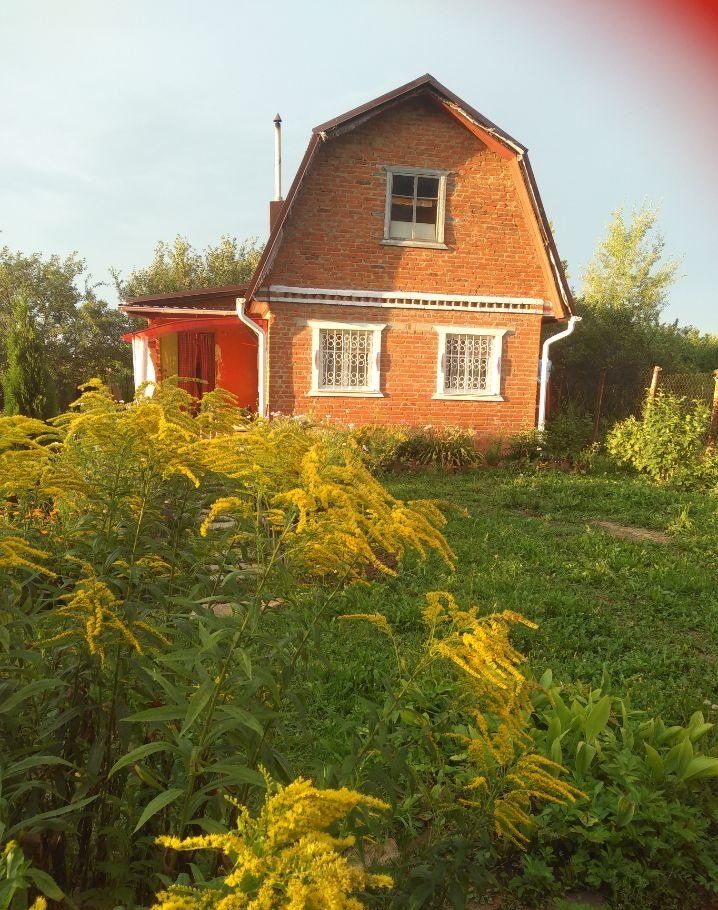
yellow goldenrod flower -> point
(283, 859)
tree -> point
(626, 284)
(626, 273)
(178, 266)
(81, 334)
(26, 381)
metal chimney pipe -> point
(277, 158)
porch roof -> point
(217, 300)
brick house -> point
(407, 278)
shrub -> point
(668, 443)
(440, 447)
(163, 577)
(565, 439)
(380, 446)
(524, 446)
(450, 743)
(647, 828)
(27, 388)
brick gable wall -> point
(331, 239)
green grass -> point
(646, 611)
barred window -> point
(345, 358)
(469, 364)
(466, 362)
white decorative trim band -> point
(414, 300)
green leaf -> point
(53, 813)
(164, 712)
(679, 757)
(554, 729)
(46, 883)
(655, 762)
(36, 761)
(33, 688)
(597, 718)
(584, 756)
(243, 717)
(699, 731)
(625, 811)
(156, 805)
(236, 772)
(700, 767)
(140, 752)
(197, 704)
(245, 661)
(556, 752)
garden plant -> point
(237, 670)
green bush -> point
(380, 445)
(566, 438)
(384, 447)
(440, 447)
(163, 578)
(646, 832)
(668, 443)
(567, 435)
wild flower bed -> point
(170, 572)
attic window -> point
(415, 201)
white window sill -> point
(425, 244)
(346, 393)
(447, 396)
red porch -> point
(200, 337)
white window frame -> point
(391, 170)
(493, 392)
(373, 389)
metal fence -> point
(610, 396)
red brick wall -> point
(332, 236)
(408, 369)
(331, 239)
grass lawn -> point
(647, 611)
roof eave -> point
(211, 292)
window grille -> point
(467, 360)
(345, 359)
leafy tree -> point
(80, 333)
(178, 266)
(26, 381)
(625, 291)
(627, 273)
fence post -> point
(713, 431)
(597, 406)
(654, 386)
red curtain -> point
(205, 361)
(196, 362)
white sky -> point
(123, 122)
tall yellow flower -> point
(511, 777)
(283, 859)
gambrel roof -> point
(492, 135)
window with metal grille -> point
(414, 206)
(469, 363)
(467, 360)
(345, 358)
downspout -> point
(543, 387)
(261, 353)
